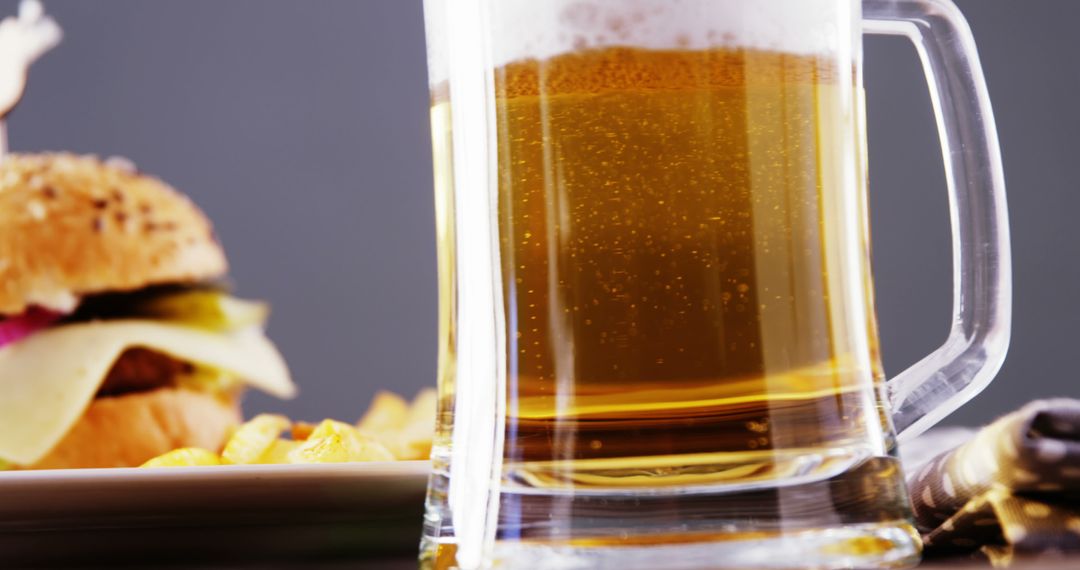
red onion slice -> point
(14, 329)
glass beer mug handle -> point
(982, 279)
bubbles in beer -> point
(663, 224)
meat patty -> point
(141, 370)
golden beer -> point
(685, 288)
(664, 223)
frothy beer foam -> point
(539, 29)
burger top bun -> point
(73, 225)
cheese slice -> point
(48, 379)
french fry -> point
(388, 412)
(404, 429)
(302, 430)
(413, 448)
(384, 420)
(185, 457)
(253, 438)
(330, 449)
(390, 429)
(415, 438)
(337, 442)
(422, 411)
(279, 451)
(328, 427)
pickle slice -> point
(204, 308)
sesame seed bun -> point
(73, 225)
(129, 430)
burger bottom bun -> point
(128, 430)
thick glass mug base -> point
(858, 546)
(855, 518)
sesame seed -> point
(121, 163)
(36, 210)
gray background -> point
(302, 129)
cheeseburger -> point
(118, 341)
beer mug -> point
(658, 345)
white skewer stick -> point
(23, 39)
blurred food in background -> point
(120, 344)
(392, 429)
(119, 340)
